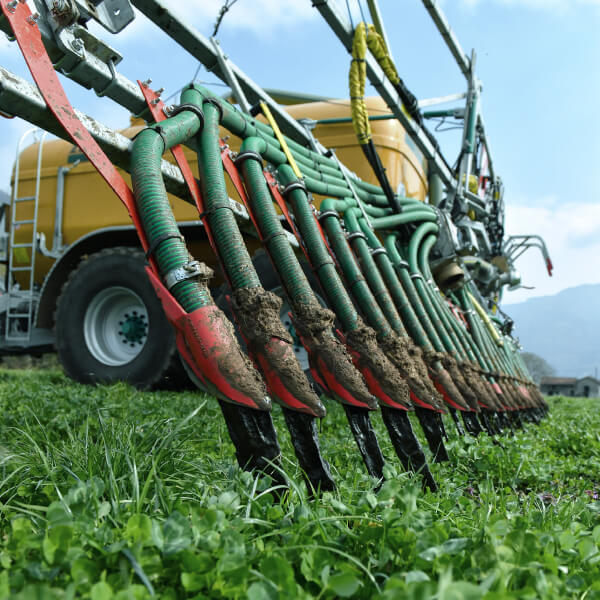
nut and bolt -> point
(77, 44)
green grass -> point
(107, 492)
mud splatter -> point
(232, 363)
(408, 359)
(314, 324)
(439, 374)
(364, 341)
(257, 313)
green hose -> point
(372, 274)
(224, 227)
(279, 248)
(386, 268)
(352, 273)
(319, 255)
(154, 209)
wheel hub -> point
(134, 328)
(115, 326)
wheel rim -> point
(115, 326)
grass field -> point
(108, 492)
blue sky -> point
(538, 61)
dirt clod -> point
(408, 359)
(364, 341)
(314, 324)
(257, 312)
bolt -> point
(147, 82)
(77, 45)
(160, 91)
(32, 19)
(11, 6)
(155, 101)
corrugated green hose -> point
(372, 274)
(224, 227)
(352, 273)
(319, 255)
(279, 248)
(154, 208)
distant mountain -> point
(564, 329)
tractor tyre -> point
(110, 325)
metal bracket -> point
(113, 15)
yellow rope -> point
(357, 80)
(267, 112)
(376, 45)
(488, 323)
(366, 37)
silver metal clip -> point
(188, 271)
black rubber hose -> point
(457, 423)
(305, 438)
(433, 433)
(364, 434)
(255, 440)
(407, 446)
(471, 423)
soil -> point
(314, 324)
(475, 378)
(234, 365)
(408, 359)
(364, 341)
(257, 313)
(434, 361)
(469, 392)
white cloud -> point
(261, 17)
(572, 233)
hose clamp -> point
(242, 156)
(356, 235)
(295, 185)
(163, 238)
(376, 251)
(192, 108)
(328, 213)
(416, 276)
(192, 269)
(327, 261)
(401, 264)
(209, 211)
(157, 129)
(217, 105)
